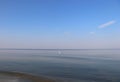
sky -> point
(60, 24)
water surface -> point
(9, 78)
(65, 65)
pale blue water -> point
(65, 65)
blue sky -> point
(73, 24)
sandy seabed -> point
(25, 76)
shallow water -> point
(8, 78)
(65, 65)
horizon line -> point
(58, 49)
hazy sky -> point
(60, 24)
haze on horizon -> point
(60, 24)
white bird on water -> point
(59, 52)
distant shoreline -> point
(53, 49)
(30, 77)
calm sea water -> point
(65, 65)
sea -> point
(64, 65)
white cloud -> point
(107, 24)
(92, 32)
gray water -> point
(65, 65)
